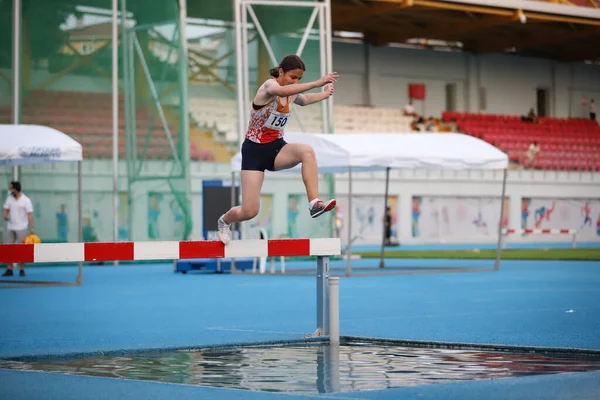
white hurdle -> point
(573, 232)
(262, 261)
(323, 249)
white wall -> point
(509, 81)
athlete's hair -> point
(287, 64)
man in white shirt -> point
(18, 211)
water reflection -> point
(314, 368)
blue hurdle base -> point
(210, 265)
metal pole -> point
(156, 99)
(499, 248)
(323, 61)
(334, 310)
(184, 115)
(130, 106)
(329, 56)
(322, 296)
(327, 35)
(349, 246)
(262, 33)
(115, 116)
(385, 206)
(239, 70)
(245, 61)
(310, 24)
(16, 71)
(80, 216)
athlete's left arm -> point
(311, 98)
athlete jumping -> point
(265, 148)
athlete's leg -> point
(291, 155)
(251, 184)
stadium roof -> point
(548, 29)
(531, 28)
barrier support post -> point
(322, 296)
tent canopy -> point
(378, 151)
(36, 144)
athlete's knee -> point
(250, 211)
(308, 154)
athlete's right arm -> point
(275, 89)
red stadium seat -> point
(563, 142)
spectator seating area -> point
(565, 144)
(87, 117)
(355, 119)
(220, 116)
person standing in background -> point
(592, 109)
(62, 224)
(18, 211)
(388, 226)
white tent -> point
(35, 144)
(348, 152)
(378, 151)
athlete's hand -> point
(328, 90)
(329, 78)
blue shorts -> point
(260, 157)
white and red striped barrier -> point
(572, 232)
(131, 251)
(540, 231)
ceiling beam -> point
(348, 14)
(461, 7)
(561, 18)
(448, 32)
(437, 4)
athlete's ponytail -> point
(287, 64)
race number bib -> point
(277, 120)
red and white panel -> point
(129, 251)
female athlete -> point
(265, 148)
